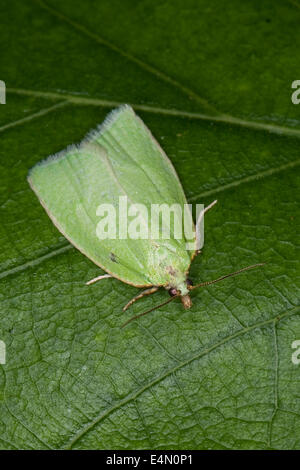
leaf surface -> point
(213, 84)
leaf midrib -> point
(155, 71)
(223, 118)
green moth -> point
(120, 159)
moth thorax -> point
(186, 301)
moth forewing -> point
(120, 158)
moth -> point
(120, 158)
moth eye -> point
(172, 291)
(189, 282)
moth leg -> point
(104, 276)
(148, 291)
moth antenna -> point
(150, 310)
(200, 217)
(207, 283)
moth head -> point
(182, 293)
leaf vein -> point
(132, 396)
(118, 50)
(42, 112)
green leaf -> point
(213, 83)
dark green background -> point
(212, 80)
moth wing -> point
(119, 158)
